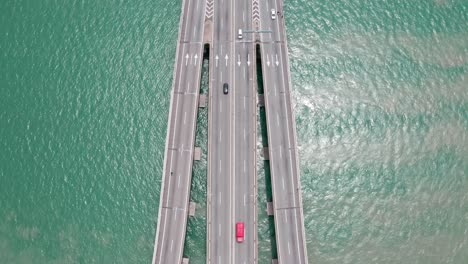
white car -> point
(273, 14)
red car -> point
(240, 232)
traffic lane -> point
(243, 157)
(171, 199)
(199, 18)
(171, 241)
(179, 148)
(189, 14)
(180, 172)
(216, 170)
(226, 33)
(285, 110)
(278, 103)
(184, 21)
(291, 248)
(222, 20)
(220, 175)
(265, 20)
(280, 143)
(283, 184)
(243, 19)
(194, 16)
(244, 210)
(243, 71)
(274, 23)
(181, 163)
(281, 20)
(223, 188)
(182, 146)
(189, 68)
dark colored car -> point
(225, 88)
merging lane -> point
(282, 143)
(178, 160)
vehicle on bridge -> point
(239, 34)
(273, 14)
(240, 232)
(225, 88)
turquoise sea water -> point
(381, 103)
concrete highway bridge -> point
(234, 34)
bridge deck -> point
(232, 189)
(179, 151)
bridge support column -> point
(270, 209)
(261, 100)
(202, 101)
(266, 155)
(192, 209)
(197, 154)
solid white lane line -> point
(281, 153)
(185, 117)
(245, 200)
(219, 198)
(162, 241)
(175, 125)
(289, 248)
(221, 76)
(187, 21)
(282, 179)
(176, 98)
(172, 244)
(219, 230)
(181, 149)
(244, 73)
(277, 119)
(175, 214)
(244, 166)
(244, 103)
(243, 16)
(178, 182)
(219, 165)
(220, 108)
(293, 183)
(220, 133)
(297, 239)
(285, 217)
(244, 133)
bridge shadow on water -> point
(195, 239)
(266, 224)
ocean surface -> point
(381, 103)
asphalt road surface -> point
(282, 143)
(245, 124)
(220, 142)
(231, 134)
(177, 171)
